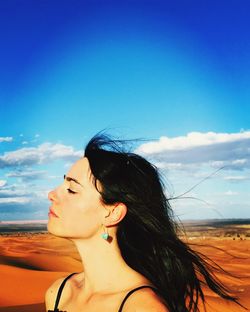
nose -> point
(52, 195)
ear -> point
(116, 213)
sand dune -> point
(30, 263)
(24, 308)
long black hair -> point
(147, 236)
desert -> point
(31, 259)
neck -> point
(103, 264)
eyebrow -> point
(71, 179)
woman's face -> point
(76, 209)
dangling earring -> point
(105, 234)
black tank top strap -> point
(132, 291)
(59, 293)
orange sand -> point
(30, 263)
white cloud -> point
(14, 200)
(236, 178)
(214, 149)
(21, 191)
(68, 165)
(237, 164)
(175, 166)
(55, 177)
(13, 192)
(27, 175)
(6, 139)
(2, 183)
(44, 153)
(191, 140)
(230, 193)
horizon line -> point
(43, 221)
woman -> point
(112, 206)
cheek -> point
(81, 217)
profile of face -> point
(76, 209)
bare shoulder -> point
(145, 300)
(51, 293)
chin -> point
(53, 229)
(56, 230)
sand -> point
(29, 263)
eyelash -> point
(70, 191)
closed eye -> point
(70, 191)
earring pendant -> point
(105, 236)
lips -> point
(52, 213)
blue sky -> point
(176, 72)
